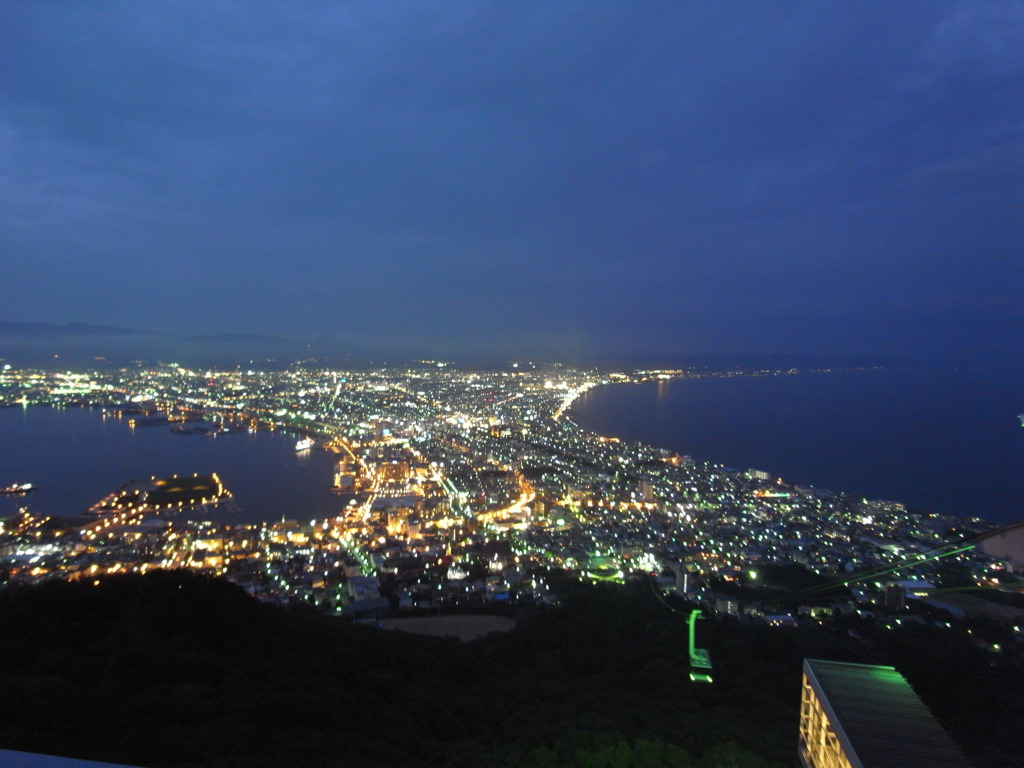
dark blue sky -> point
(550, 178)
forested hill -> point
(175, 669)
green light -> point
(700, 659)
(924, 557)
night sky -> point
(550, 178)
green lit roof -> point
(879, 719)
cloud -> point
(472, 171)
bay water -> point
(939, 440)
(76, 456)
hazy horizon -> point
(82, 346)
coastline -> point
(931, 439)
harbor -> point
(101, 452)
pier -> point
(160, 496)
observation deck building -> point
(862, 716)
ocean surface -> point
(76, 456)
(942, 440)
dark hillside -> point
(174, 669)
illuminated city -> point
(460, 488)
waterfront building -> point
(865, 716)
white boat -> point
(18, 488)
(304, 444)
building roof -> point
(879, 719)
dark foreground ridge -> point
(176, 669)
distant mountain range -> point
(86, 344)
(10, 330)
(47, 330)
(246, 338)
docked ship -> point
(305, 444)
(17, 488)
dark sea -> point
(76, 456)
(942, 440)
